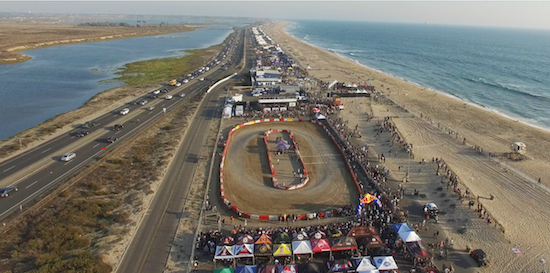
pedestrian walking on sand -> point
(294, 174)
(277, 161)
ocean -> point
(61, 78)
(506, 71)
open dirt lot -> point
(247, 178)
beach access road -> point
(46, 170)
(150, 248)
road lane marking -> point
(150, 113)
(31, 184)
(96, 145)
(9, 168)
(67, 162)
(117, 133)
(72, 137)
(46, 150)
(9, 210)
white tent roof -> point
(320, 116)
(385, 263)
(365, 265)
(301, 247)
(409, 236)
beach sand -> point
(520, 203)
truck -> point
(174, 83)
(239, 110)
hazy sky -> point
(492, 13)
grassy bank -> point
(76, 229)
(162, 70)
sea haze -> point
(61, 78)
(504, 70)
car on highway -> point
(118, 127)
(68, 157)
(185, 81)
(124, 111)
(156, 92)
(4, 192)
(143, 102)
(150, 108)
(201, 79)
(182, 95)
(168, 97)
(112, 139)
(88, 124)
(82, 133)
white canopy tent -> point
(364, 265)
(409, 236)
(301, 247)
(385, 263)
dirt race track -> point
(247, 177)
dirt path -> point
(247, 180)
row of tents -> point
(357, 264)
(285, 245)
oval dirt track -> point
(247, 178)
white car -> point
(68, 157)
(201, 79)
(185, 81)
(151, 108)
(124, 111)
(182, 95)
(168, 97)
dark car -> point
(82, 133)
(89, 124)
(5, 191)
(479, 256)
(118, 127)
(112, 139)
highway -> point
(49, 171)
(150, 247)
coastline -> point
(499, 112)
(14, 56)
(437, 124)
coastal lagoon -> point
(502, 70)
(61, 78)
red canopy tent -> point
(320, 245)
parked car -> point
(112, 139)
(118, 127)
(430, 209)
(4, 192)
(479, 256)
(82, 133)
(68, 157)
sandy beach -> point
(437, 124)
